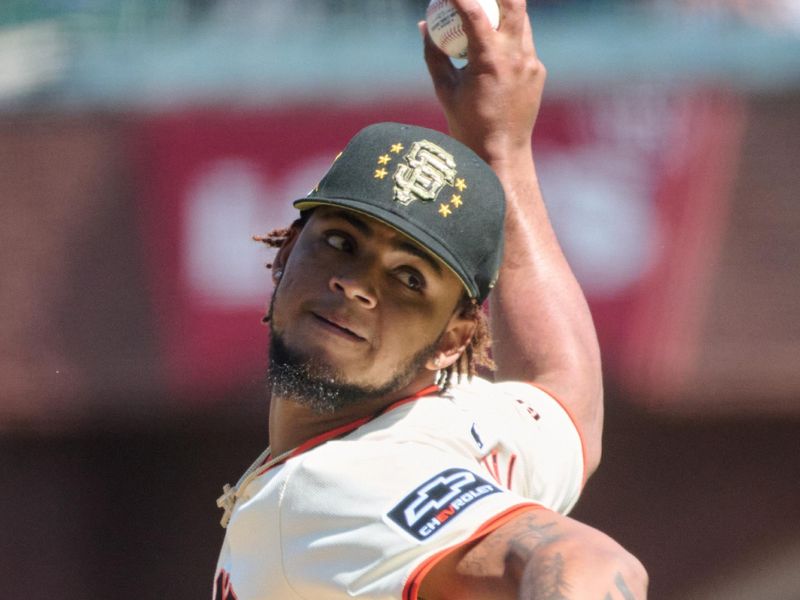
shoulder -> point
(527, 405)
(532, 427)
(480, 389)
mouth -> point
(338, 328)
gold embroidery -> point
(426, 170)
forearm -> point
(573, 574)
(540, 555)
(541, 324)
(550, 556)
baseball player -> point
(394, 471)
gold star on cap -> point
(397, 148)
(460, 184)
(456, 200)
(444, 210)
(381, 173)
(384, 159)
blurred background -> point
(143, 143)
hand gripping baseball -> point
(444, 25)
(491, 104)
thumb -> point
(442, 71)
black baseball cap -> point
(428, 186)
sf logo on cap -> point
(427, 169)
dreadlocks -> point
(477, 353)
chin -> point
(322, 360)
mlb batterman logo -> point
(438, 501)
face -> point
(360, 306)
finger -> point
(475, 23)
(442, 71)
(513, 16)
(528, 43)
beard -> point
(323, 388)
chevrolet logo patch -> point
(439, 500)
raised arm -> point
(541, 326)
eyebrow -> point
(419, 252)
(403, 245)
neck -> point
(292, 424)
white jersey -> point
(366, 510)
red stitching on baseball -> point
(451, 34)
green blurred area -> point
(142, 53)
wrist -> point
(506, 151)
(495, 144)
(514, 166)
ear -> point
(453, 342)
(279, 263)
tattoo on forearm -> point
(528, 534)
(623, 589)
(476, 561)
(547, 578)
(534, 534)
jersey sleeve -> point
(531, 444)
(363, 519)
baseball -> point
(444, 25)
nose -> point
(354, 288)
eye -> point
(339, 241)
(412, 279)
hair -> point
(476, 355)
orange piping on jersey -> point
(511, 462)
(222, 582)
(346, 428)
(493, 471)
(319, 439)
(572, 418)
(413, 583)
(333, 433)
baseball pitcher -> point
(406, 460)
